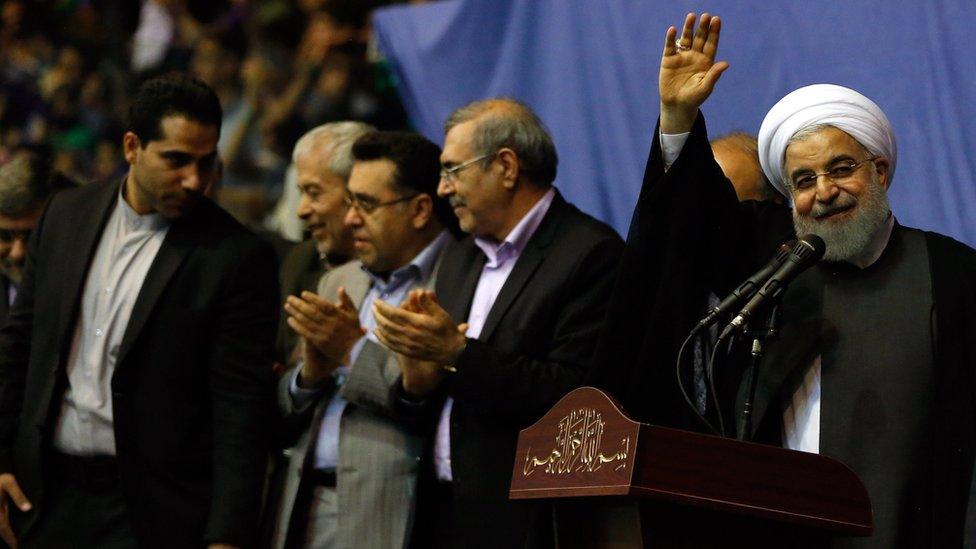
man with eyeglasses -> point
(510, 329)
(352, 477)
(26, 183)
(875, 360)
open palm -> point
(689, 73)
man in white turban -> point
(876, 358)
(811, 120)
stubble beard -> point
(850, 238)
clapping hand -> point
(425, 338)
(328, 332)
(420, 328)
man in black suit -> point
(530, 285)
(26, 183)
(135, 369)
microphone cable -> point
(681, 385)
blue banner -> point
(589, 68)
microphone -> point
(807, 251)
(749, 287)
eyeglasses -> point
(368, 206)
(838, 172)
(7, 236)
(451, 174)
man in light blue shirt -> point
(352, 474)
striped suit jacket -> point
(379, 454)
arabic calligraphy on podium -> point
(578, 447)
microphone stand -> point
(759, 337)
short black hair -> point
(172, 94)
(418, 166)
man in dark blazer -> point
(135, 369)
(26, 183)
(530, 286)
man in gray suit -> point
(352, 474)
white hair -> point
(335, 141)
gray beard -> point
(850, 238)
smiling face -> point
(477, 194)
(168, 175)
(846, 210)
(321, 205)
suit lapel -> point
(357, 287)
(462, 277)
(4, 306)
(525, 266)
(177, 244)
(77, 258)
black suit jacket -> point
(4, 305)
(192, 390)
(535, 347)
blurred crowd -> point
(280, 67)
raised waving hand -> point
(688, 71)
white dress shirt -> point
(126, 250)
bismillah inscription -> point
(578, 447)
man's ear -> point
(882, 166)
(511, 168)
(131, 146)
(421, 211)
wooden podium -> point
(692, 490)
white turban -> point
(826, 104)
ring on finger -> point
(680, 45)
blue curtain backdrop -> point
(589, 68)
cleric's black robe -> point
(689, 236)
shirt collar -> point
(420, 267)
(501, 252)
(133, 221)
(877, 245)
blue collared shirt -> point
(393, 290)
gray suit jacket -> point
(378, 454)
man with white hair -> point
(322, 158)
(875, 360)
